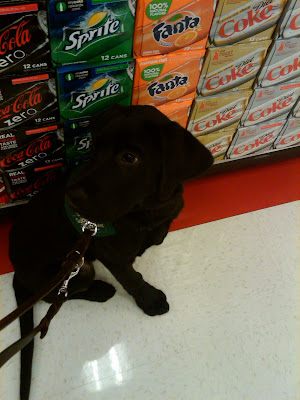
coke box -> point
(28, 101)
(218, 142)
(27, 182)
(244, 21)
(4, 199)
(40, 148)
(24, 43)
(231, 67)
(289, 24)
(296, 110)
(254, 139)
(271, 103)
(13, 139)
(175, 111)
(290, 134)
(281, 64)
(221, 111)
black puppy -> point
(133, 184)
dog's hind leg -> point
(26, 325)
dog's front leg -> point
(151, 300)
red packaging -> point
(4, 199)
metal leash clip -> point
(64, 286)
(91, 226)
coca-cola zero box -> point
(33, 152)
(220, 111)
(289, 23)
(4, 199)
(244, 21)
(255, 139)
(282, 63)
(271, 103)
(290, 134)
(26, 182)
(24, 43)
(28, 101)
(231, 67)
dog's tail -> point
(26, 325)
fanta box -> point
(175, 111)
(85, 90)
(164, 26)
(160, 79)
(91, 31)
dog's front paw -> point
(151, 300)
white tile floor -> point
(231, 334)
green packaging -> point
(86, 90)
(91, 31)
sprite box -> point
(86, 90)
(91, 31)
(78, 140)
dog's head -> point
(138, 153)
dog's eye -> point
(129, 158)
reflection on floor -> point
(231, 333)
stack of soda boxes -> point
(249, 85)
(31, 146)
(91, 46)
(169, 45)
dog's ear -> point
(183, 158)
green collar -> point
(103, 229)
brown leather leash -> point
(69, 268)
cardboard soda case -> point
(33, 152)
(218, 142)
(282, 63)
(290, 135)
(78, 140)
(4, 199)
(221, 111)
(91, 31)
(296, 110)
(231, 67)
(289, 24)
(28, 101)
(244, 21)
(164, 26)
(161, 79)
(177, 111)
(85, 90)
(256, 139)
(24, 43)
(271, 103)
(26, 182)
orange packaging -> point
(160, 79)
(178, 112)
(164, 26)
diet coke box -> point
(28, 101)
(24, 43)
(32, 153)
(296, 110)
(4, 199)
(254, 139)
(290, 135)
(244, 21)
(218, 142)
(281, 64)
(27, 182)
(231, 67)
(289, 23)
(221, 111)
(271, 103)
